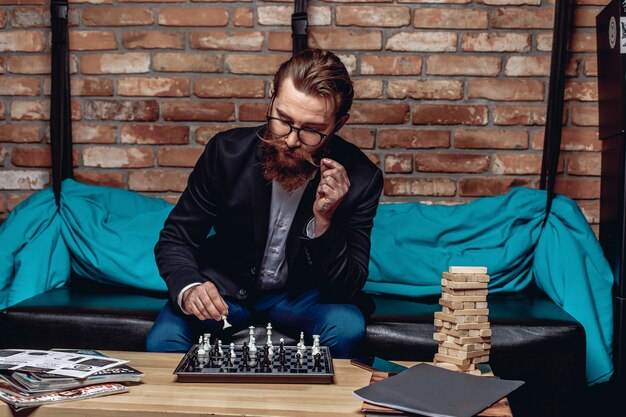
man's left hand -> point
(334, 185)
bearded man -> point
(275, 222)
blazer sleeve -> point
(339, 258)
(189, 223)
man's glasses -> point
(282, 128)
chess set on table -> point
(206, 362)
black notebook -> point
(432, 391)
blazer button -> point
(253, 271)
(243, 292)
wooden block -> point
(484, 332)
(467, 269)
(466, 348)
(486, 346)
(438, 323)
(442, 350)
(482, 319)
(451, 359)
(465, 277)
(482, 304)
(473, 354)
(455, 333)
(480, 359)
(452, 305)
(472, 292)
(474, 372)
(465, 340)
(469, 305)
(463, 285)
(463, 298)
(471, 312)
(470, 326)
(447, 325)
(439, 336)
(453, 367)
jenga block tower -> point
(463, 329)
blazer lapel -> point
(304, 213)
(261, 193)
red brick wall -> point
(451, 93)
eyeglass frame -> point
(268, 117)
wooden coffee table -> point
(160, 395)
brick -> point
(92, 40)
(29, 64)
(118, 157)
(23, 180)
(227, 40)
(585, 17)
(242, 17)
(578, 188)
(432, 162)
(254, 64)
(19, 133)
(153, 87)
(522, 18)
(517, 164)
(279, 41)
(2, 111)
(30, 110)
(581, 91)
(349, 61)
(447, 18)
(125, 63)
(184, 62)
(121, 110)
(178, 157)
(3, 153)
(422, 42)
(572, 140)
(156, 180)
(205, 132)
(91, 86)
(391, 65)
(379, 113)
(591, 210)
(506, 90)
(117, 16)
(30, 17)
(229, 87)
(496, 42)
(544, 42)
(88, 133)
(372, 16)
(583, 42)
(19, 86)
(527, 66)
(281, 15)
(510, 2)
(585, 115)
(374, 158)
(478, 187)
(193, 16)
(584, 164)
(35, 156)
(449, 114)
(22, 41)
(198, 111)
(151, 1)
(364, 138)
(3, 19)
(433, 1)
(345, 39)
(413, 139)
(480, 66)
(398, 163)
(252, 112)
(143, 134)
(107, 179)
(519, 115)
(490, 139)
(153, 39)
(15, 199)
(428, 90)
(591, 67)
(433, 187)
(367, 88)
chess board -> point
(217, 369)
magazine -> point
(55, 362)
(19, 401)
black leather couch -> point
(533, 339)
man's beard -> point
(290, 167)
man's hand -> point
(334, 185)
(205, 302)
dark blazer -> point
(227, 195)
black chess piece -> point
(298, 360)
(244, 364)
(282, 367)
(317, 364)
(266, 362)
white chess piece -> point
(316, 345)
(232, 353)
(220, 352)
(226, 323)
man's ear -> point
(342, 121)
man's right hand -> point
(205, 302)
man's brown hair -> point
(317, 72)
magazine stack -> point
(30, 378)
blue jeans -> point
(341, 326)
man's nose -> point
(292, 139)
